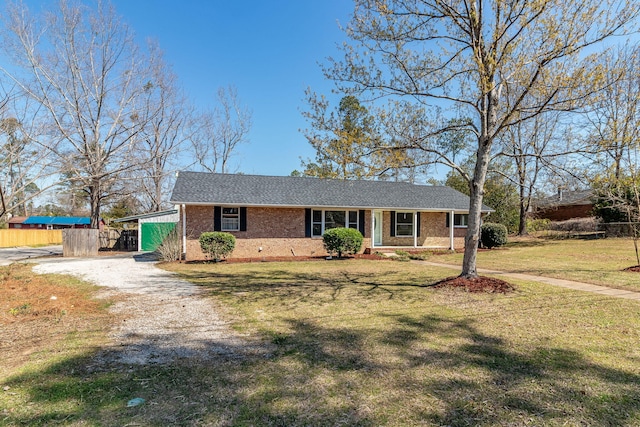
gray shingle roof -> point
(256, 190)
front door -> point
(377, 228)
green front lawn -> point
(367, 343)
(600, 262)
(364, 343)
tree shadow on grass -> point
(407, 370)
(544, 385)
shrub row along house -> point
(277, 216)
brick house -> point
(276, 216)
(565, 205)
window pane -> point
(230, 211)
(317, 229)
(404, 230)
(334, 219)
(230, 224)
(317, 216)
(404, 224)
(353, 216)
(405, 218)
(461, 220)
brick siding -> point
(280, 232)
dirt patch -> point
(35, 312)
(634, 269)
(477, 284)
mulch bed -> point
(634, 269)
(477, 284)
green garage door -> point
(153, 234)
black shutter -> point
(418, 224)
(448, 215)
(307, 222)
(361, 215)
(392, 233)
(243, 219)
(217, 218)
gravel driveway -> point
(164, 318)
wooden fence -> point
(17, 237)
(80, 242)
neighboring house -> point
(276, 216)
(565, 205)
(152, 228)
(55, 222)
(16, 221)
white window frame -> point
(322, 223)
(224, 226)
(464, 218)
(413, 226)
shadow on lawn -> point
(258, 285)
(414, 370)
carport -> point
(153, 227)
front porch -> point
(416, 230)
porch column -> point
(373, 229)
(451, 229)
(184, 232)
(415, 229)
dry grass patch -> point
(38, 312)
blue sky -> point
(268, 50)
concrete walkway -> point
(570, 284)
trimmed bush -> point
(216, 244)
(342, 241)
(493, 235)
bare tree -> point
(461, 54)
(534, 148)
(81, 64)
(614, 120)
(164, 113)
(25, 169)
(219, 132)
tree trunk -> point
(476, 187)
(94, 196)
(488, 118)
(522, 225)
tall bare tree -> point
(164, 113)
(220, 131)
(461, 54)
(614, 120)
(25, 166)
(81, 64)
